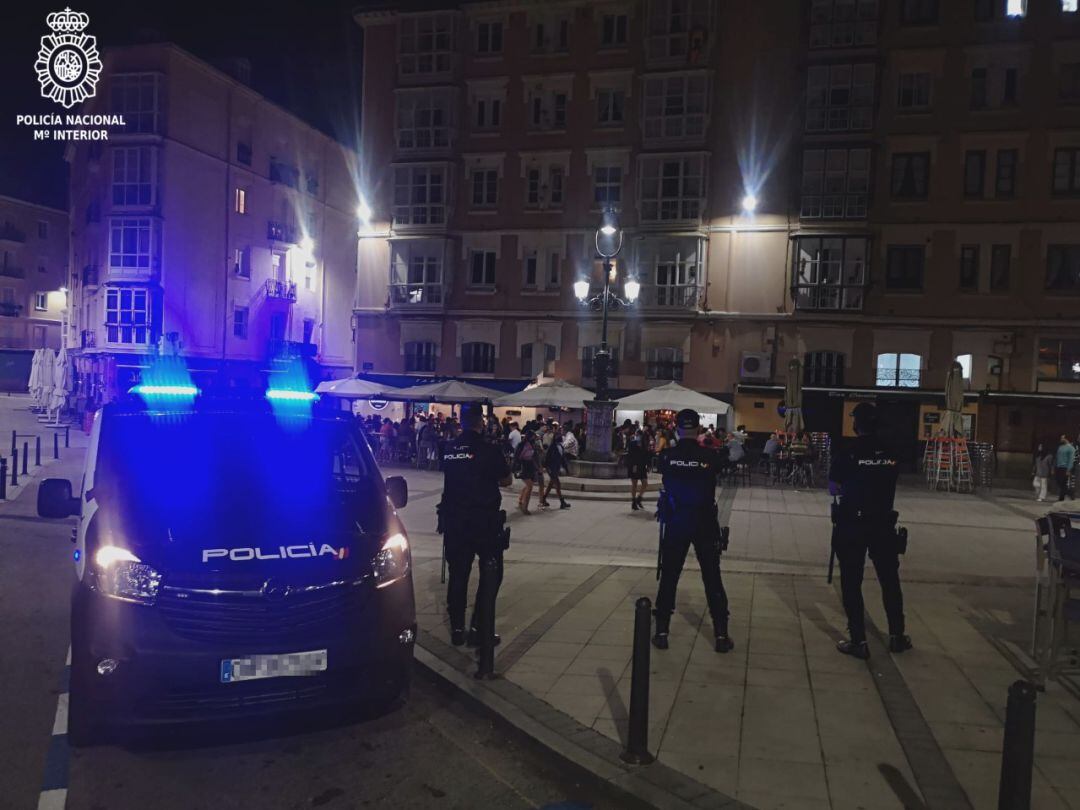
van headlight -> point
(121, 575)
(393, 560)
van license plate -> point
(273, 666)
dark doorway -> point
(899, 429)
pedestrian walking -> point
(1064, 458)
(688, 516)
(864, 479)
(571, 448)
(554, 463)
(1042, 469)
(527, 462)
(637, 468)
(471, 520)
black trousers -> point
(1061, 476)
(673, 553)
(460, 554)
(852, 544)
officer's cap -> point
(687, 419)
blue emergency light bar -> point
(165, 390)
(287, 395)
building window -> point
(133, 176)
(969, 267)
(824, 369)
(541, 195)
(242, 262)
(482, 269)
(542, 269)
(1005, 173)
(130, 243)
(41, 301)
(1069, 82)
(489, 38)
(918, 12)
(676, 277)
(979, 94)
(1059, 359)
(488, 112)
(547, 109)
(1000, 257)
(426, 44)
(676, 106)
(671, 188)
(898, 370)
(555, 180)
(477, 358)
(1067, 171)
(1070, 6)
(910, 175)
(532, 269)
(136, 97)
(664, 363)
(607, 186)
(42, 229)
(416, 274)
(423, 120)
(127, 315)
(613, 30)
(243, 153)
(547, 368)
(551, 35)
(904, 267)
(240, 323)
(839, 98)
(835, 183)
(965, 361)
(420, 356)
(1063, 268)
(419, 195)
(830, 273)
(974, 173)
(588, 362)
(678, 29)
(610, 105)
(485, 188)
(843, 23)
(913, 91)
(1009, 93)
(1015, 8)
(241, 201)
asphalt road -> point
(436, 751)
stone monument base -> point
(580, 468)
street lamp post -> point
(601, 410)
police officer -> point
(864, 478)
(687, 512)
(471, 519)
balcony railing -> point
(12, 272)
(281, 232)
(671, 296)
(836, 297)
(416, 295)
(88, 338)
(281, 290)
(9, 233)
(90, 276)
(278, 349)
(10, 310)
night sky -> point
(305, 56)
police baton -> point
(442, 572)
(832, 544)
(660, 553)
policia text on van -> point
(231, 560)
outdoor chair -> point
(1061, 605)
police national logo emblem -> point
(68, 63)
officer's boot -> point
(723, 643)
(457, 636)
(473, 639)
(899, 643)
(660, 638)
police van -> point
(233, 557)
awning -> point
(554, 394)
(674, 397)
(352, 388)
(447, 391)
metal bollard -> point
(15, 468)
(3, 479)
(37, 451)
(489, 590)
(56, 445)
(67, 436)
(1018, 748)
(14, 447)
(637, 738)
(25, 456)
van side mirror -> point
(398, 490)
(54, 499)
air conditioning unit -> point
(755, 366)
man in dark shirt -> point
(471, 517)
(864, 478)
(688, 517)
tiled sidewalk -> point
(784, 721)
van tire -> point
(84, 726)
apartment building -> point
(33, 275)
(915, 165)
(215, 225)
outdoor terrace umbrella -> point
(793, 418)
(674, 397)
(45, 377)
(554, 394)
(952, 423)
(34, 384)
(449, 392)
(61, 381)
(354, 388)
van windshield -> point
(229, 470)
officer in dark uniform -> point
(471, 519)
(864, 478)
(687, 513)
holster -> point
(482, 527)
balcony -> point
(416, 295)
(9, 233)
(89, 276)
(282, 232)
(281, 290)
(9, 271)
(278, 349)
(671, 297)
(10, 310)
(284, 173)
(829, 297)
(88, 339)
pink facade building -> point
(33, 274)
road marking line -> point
(54, 781)
(52, 799)
(60, 723)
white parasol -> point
(674, 397)
(448, 391)
(554, 394)
(354, 388)
(61, 384)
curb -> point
(579, 747)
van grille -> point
(246, 617)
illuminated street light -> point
(64, 290)
(632, 289)
(749, 204)
(581, 289)
(363, 211)
(307, 244)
